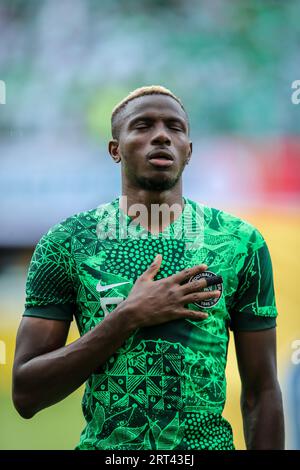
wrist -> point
(124, 312)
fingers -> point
(186, 274)
(199, 296)
(153, 269)
(193, 286)
(192, 314)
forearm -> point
(47, 379)
(263, 420)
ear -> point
(113, 148)
(189, 154)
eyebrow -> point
(149, 118)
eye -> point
(176, 127)
(142, 126)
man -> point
(154, 334)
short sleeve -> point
(49, 287)
(254, 305)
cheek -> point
(132, 151)
(183, 147)
(133, 143)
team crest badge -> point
(209, 275)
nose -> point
(160, 136)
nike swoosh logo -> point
(100, 288)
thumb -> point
(153, 269)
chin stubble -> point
(157, 185)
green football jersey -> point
(165, 387)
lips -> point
(160, 158)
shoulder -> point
(73, 225)
(77, 228)
(223, 223)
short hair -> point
(137, 93)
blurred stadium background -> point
(65, 64)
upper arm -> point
(50, 291)
(37, 336)
(256, 358)
(253, 318)
(50, 301)
(254, 307)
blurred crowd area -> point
(65, 64)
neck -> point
(148, 200)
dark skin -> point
(46, 370)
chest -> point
(105, 277)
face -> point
(153, 145)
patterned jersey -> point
(165, 387)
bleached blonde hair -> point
(137, 93)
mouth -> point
(160, 158)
